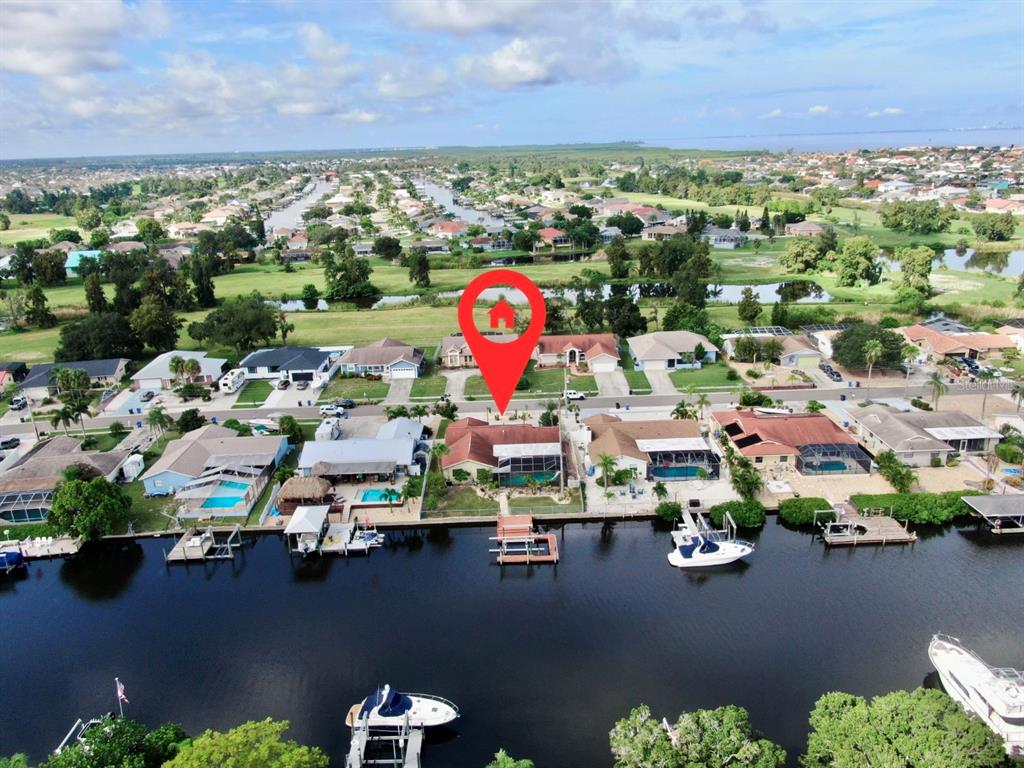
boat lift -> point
(204, 545)
(385, 747)
(519, 543)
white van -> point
(231, 381)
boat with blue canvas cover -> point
(11, 559)
(697, 545)
(388, 708)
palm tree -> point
(62, 416)
(660, 491)
(192, 369)
(158, 419)
(683, 410)
(607, 463)
(984, 377)
(608, 496)
(909, 353)
(176, 365)
(418, 411)
(80, 408)
(873, 352)
(1017, 393)
(391, 496)
(437, 450)
(938, 387)
(702, 402)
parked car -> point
(302, 385)
(283, 384)
(331, 409)
(147, 395)
(572, 394)
(7, 443)
(18, 402)
(345, 403)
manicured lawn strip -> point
(441, 429)
(32, 226)
(546, 381)
(638, 382)
(146, 513)
(545, 505)
(463, 501)
(708, 377)
(355, 388)
(428, 387)
(253, 394)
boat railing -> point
(434, 697)
(1003, 673)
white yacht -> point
(993, 694)
(387, 708)
(698, 546)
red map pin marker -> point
(502, 363)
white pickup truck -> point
(572, 394)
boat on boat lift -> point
(996, 695)
(697, 545)
(387, 708)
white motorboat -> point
(996, 695)
(387, 708)
(698, 546)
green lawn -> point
(32, 226)
(104, 441)
(708, 377)
(545, 505)
(637, 380)
(146, 513)
(547, 381)
(428, 387)
(355, 388)
(253, 394)
(463, 501)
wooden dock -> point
(520, 544)
(400, 748)
(870, 527)
(44, 548)
(208, 544)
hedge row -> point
(746, 514)
(918, 507)
(801, 511)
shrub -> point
(801, 511)
(1010, 453)
(484, 476)
(936, 461)
(900, 476)
(117, 429)
(746, 514)
(920, 508)
(920, 404)
(756, 399)
(753, 374)
(523, 384)
(669, 510)
(731, 374)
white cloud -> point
(887, 112)
(818, 109)
(519, 63)
(330, 55)
(360, 116)
(462, 17)
(777, 112)
(408, 80)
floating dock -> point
(199, 546)
(872, 526)
(1002, 514)
(349, 538)
(519, 543)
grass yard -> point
(355, 388)
(147, 514)
(637, 380)
(545, 505)
(708, 377)
(104, 441)
(462, 501)
(32, 226)
(543, 382)
(253, 394)
(428, 387)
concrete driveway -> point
(456, 387)
(399, 392)
(660, 383)
(612, 384)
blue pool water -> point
(674, 473)
(524, 479)
(825, 466)
(1011, 471)
(375, 494)
(234, 485)
(219, 502)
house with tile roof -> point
(455, 351)
(553, 237)
(811, 443)
(670, 350)
(510, 454)
(598, 351)
(292, 363)
(387, 358)
(671, 449)
(973, 345)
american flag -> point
(120, 691)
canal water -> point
(291, 215)
(443, 196)
(541, 660)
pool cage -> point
(832, 459)
(669, 460)
(518, 470)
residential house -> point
(157, 374)
(1013, 330)
(126, 246)
(455, 352)
(553, 237)
(511, 455)
(799, 352)
(316, 366)
(362, 458)
(669, 350)
(662, 231)
(124, 228)
(921, 438)
(717, 237)
(388, 358)
(811, 443)
(975, 346)
(448, 229)
(40, 381)
(761, 333)
(598, 351)
(822, 335)
(174, 254)
(219, 216)
(609, 233)
(12, 372)
(804, 229)
(212, 447)
(671, 449)
(179, 229)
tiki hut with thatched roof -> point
(299, 491)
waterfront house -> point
(553, 237)
(821, 336)
(672, 449)
(316, 366)
(598, 351)
(811, 443)
(359, 458)
(447, 229)
(972, 345)
(609, 233)
(387, 358)
(920, 438)
(669, 350)
(40, 381)
(761, 333)
(455, 352)
(511, 455)
(718, 237)
(804, 229)
(662, 231)
(157, 374)
(26, 488)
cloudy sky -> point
(92, 77)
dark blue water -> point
(542, 661)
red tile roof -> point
(474, 440)
(770, 435)
(591, 343)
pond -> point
(443, 196)
(1005, 263)
(541, 660)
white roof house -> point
(666, 350)
(358, 456)
(157, 374)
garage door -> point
(145, 384)
(403, 373)
(302, 376)
(808, 362)
(603, 366)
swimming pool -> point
(378, 495)
(524, 479)
(825, 466)
(675, 473)
(1011, 471)
(234, 485)
(219, 502)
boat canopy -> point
(391, 703)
